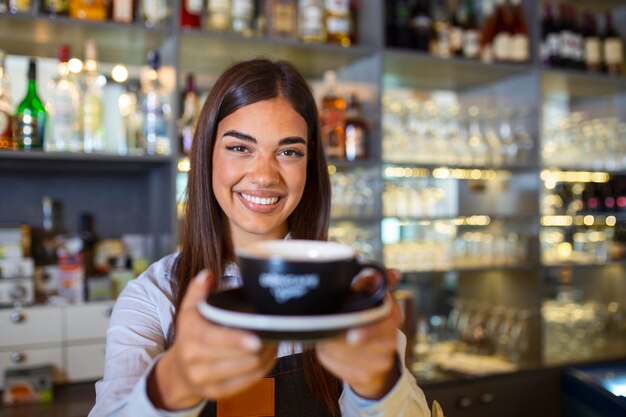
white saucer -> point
(229, 308)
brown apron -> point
(292, 396)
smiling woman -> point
(258, 172)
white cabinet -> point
(70, 338)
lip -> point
(260, 208)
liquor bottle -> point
(88, 9)
(6, 120)
(20, 6)
(337, 21)
(154, 12)
(55, 7)
(578, 42)
(30, 115)
(355, 7)
(281, 18)
(519, 34)
(155, 123)
(311, 21)
(502, 37)
(123, 11)
(471, 34)
(549, 38)
(593, 54)
(422, 26)
(487, 32)
(242, 17)
(457, 12)
(356, 131)
(189, 117)
(440, 43)
(566, 44)
(191, 14)
(332, 117)
(132, 117)
(259, 21)
(218, 19)
(91, 101)
(63, 133)
(401, 32)
(612, 48)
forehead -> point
(275, 117)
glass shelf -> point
(312, 59)
(412, 69)
(40, 36)
(580, 84)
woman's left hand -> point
(365, 357)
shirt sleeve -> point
(135, 340)
(405, 399)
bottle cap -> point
(32, 69)
(154, 59)
(64, 52)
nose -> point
(264, 171)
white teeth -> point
(259, 200)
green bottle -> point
(30, 115)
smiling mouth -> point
(262, 201)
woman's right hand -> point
(206, 361)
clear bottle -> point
(593, 54)
(91, 101)
(337, 22)
(88, 9)
(281, 18)
(456, 27)
(218, 19)
(311, 21)
(356, 131)
(155, 122)
(154, 12)
(242, 17)
(189, 117)
(6, 118)
(63, 133)
(332, 117)
(440, 44)
(123, 11)
(31, 115)
(132, 117)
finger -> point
(214, 336)
(383, 328)
(369, 280)
(197, 290)
(394, 275)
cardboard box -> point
(28, 385)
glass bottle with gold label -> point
(242, 17)
(337, 21)
(154, 12)
(88, 9)
(281, 18)
(91, 101)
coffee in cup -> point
(303, 277)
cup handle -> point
(377, 295)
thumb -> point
(198, 289)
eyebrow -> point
(290, 140)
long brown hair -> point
(205, 236)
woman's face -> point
(259, 168)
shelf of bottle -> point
(467, 220)
(312, 59)
(415, 69)
(609, 262)
(355, 219)
(580, 84)
(583, 171)
(396, 170)
(469, 269)
(583, 219)
(24, 34)
(340, 164)
(79, 162)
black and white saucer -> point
(230, 308)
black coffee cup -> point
(304, 277)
